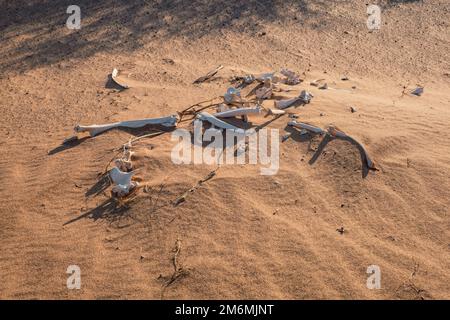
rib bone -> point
(333, 131)
(95, 129)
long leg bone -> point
(237, 112)
(306, 126)
(304, 96)
(205, 116)
(95, 129)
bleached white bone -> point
(95, 129)
(237, 112)
(270, 75)
(292, 77)
(275, 112)
(306, 126)
(122, 182)
(114, 75)
(205, 116)
(304, 96)
(125, 164)
(283, 104)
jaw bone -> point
(205, 116)
(93, 130)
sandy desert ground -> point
(241, 235)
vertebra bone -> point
(122, 180)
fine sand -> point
(240, 235)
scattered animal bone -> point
(263, 77)
(316, 83)
(265, 92)
(285, 137)
(418, 91)
(248, 79)
(306, 126)
(205, 116)
(237, 112)
(222, 107)
(114, 75)
(275, 112)
(232, 95)
(324, 86)
(95, 129)
(209, 75)
(125, 164)
(70, 140)
(335, 132)
(304, 96)
(123, 184)
(292, 77)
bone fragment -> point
(122, 182)
(209, 75)
(306, 126)
(304, 96)
(232, 95)
(237, 112)
(333, 131)
(114, 75)
(95, 129)
(205, 116)
(292, 77)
